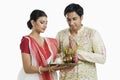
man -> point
(90, 47)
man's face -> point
(74, 21)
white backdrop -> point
(102, 15)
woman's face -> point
(40, 24)
(74, 21)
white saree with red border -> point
(39, 58)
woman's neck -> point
(35, 34)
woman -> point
(37, 52)
(86, 44)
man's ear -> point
(81, 17)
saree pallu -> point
(39, 58)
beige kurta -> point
(91, 50)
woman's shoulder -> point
(51, 39)
(25, 38)
(24, 45)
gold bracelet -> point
(49, 69)
(39, 70)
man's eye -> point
(74, 18)
(42, 22)
(68, 19)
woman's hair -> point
(34, 16)
(74, 8)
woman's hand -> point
(53, 68)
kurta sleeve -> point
(24, 45)
(98, 55)
(58, 38)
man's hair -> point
(74, 8)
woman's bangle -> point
(39, 70)
(49, 68)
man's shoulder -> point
(88, 29)
(63, 30)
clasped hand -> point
(72, 44)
